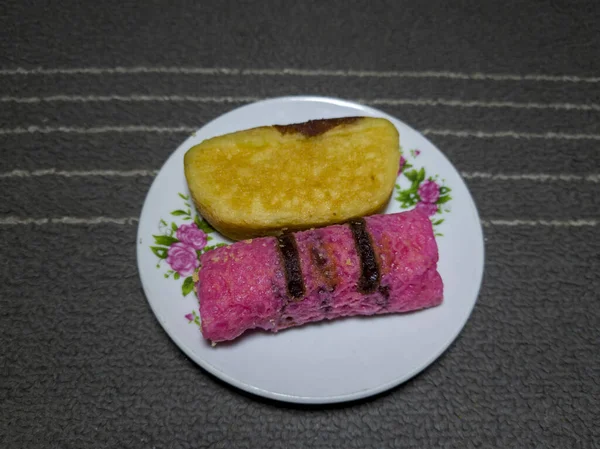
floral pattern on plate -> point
(180, 245)
(428, 194)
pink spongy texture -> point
(243, 286)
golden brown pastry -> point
(266, 180)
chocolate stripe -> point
(291, 264)
(314, 128)
(369, 273)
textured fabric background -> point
(505, 88)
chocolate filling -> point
(313, 128)
(369, 270)
(291, 265)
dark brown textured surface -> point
(369, 268)
(314, 128)
(83, 361)
(290, 260)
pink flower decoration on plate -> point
(417, 152)
(427, 209)
(182, 258)
(192, 236)
(402, 163)
(429, 192)
(190, 317)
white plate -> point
(330, 361)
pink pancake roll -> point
(377, 265)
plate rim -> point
(289, 398)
